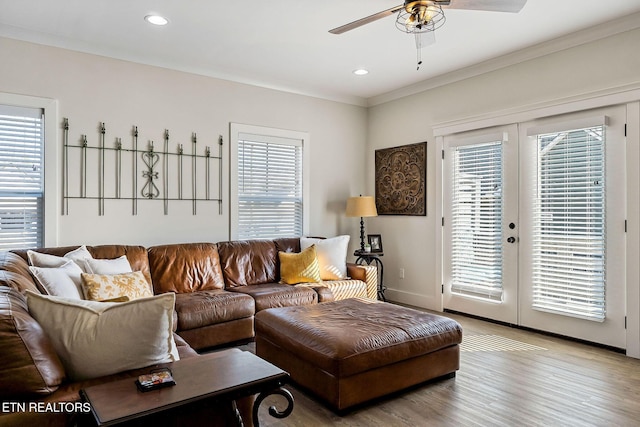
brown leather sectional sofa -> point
(218, 286)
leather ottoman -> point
(350, 351)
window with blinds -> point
(270, 202)
(477, 221)
(21, 177)
(569, 224)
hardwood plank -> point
(568, 384)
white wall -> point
(411, 243)
(91, 89)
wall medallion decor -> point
(401, 175)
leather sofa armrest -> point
(368, 274)
(356, 271)
(324, 294)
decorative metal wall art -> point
(401, 175)
(155, 174)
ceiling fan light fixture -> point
(420, 17)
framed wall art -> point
(401, 175)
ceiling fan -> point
(420, 14)
(423, 17)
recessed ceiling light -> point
(156, 20)
(360, 72)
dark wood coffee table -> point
(222, 378)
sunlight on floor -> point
(494, 343)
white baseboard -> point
(414, 299)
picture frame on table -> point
(375, 241)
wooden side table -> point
(369, 258)
(222, 379)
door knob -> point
(511, 239)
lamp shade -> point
(362, 206)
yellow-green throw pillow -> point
(101, 287)
(299, 267)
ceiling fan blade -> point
(511, 6)
(360, 22)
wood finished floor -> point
(567, 384)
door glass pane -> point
(569, 224)
(477, 258)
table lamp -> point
(362, 206)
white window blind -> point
(21, 177)
(477, 221)
(270, 202)
(569, 224)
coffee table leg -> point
(273, 411)
(236, 413)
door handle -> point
(511, 239)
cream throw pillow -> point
(100, 287)
(54, 273)
(79, 254)
(94, 339)
(64, 281)
(332, 255)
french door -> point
(534, 230)
(481, 190)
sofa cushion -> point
(101, 287)
(251, 262)
(299, 268)
(96, 338)
(332, 255)
(204, 308)
(187, 267)
(269, 295)
(14, 273)
(287, 244)
(30, 365)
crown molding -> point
(602, 31)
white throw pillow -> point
(38, 259)
(106, 266)
(94, 339)
(79, 254)
(332, 255)
(64, 281)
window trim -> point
(235, 130)
(51, 189)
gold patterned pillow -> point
(300, 267)
(101, 287)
